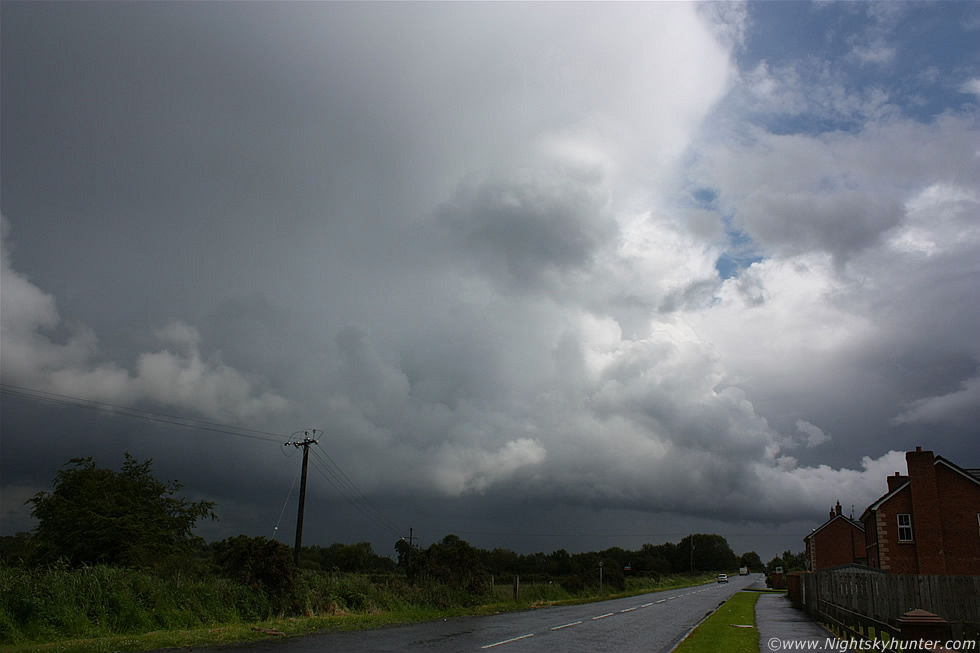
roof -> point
(856, 524)
(882, 499)
(970, 474)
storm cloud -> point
(538, 271)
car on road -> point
(722, 578)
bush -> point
(260, 564)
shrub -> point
(261, 564)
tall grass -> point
(57, 603)
(46, 604)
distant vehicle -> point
(722, 578)
(743, 571)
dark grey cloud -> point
(528, 233)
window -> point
(904, 527)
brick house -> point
(838, 541)
(928, 522)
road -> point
(649, 623)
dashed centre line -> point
(596, 618)
(508, 641)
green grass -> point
(719, 632)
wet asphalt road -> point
(650, 623)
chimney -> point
(927, 528)
(895, 481)
(831, 513)
(837, 509)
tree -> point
(359, 557)
(711, 553)
(752, 561)
(128, 518)
(794, 561)
(774, 563)
(453, 562)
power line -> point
(138, 413)
(328, 467)
(356, 491)
(350, 492)
(282, 512)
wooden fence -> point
(857, 599)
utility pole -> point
(308, 439)
(692, 554)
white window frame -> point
(905, 528)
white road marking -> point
(603, 616)
(661, 600)
(574, 623)
(646, 605)
(628, 610)
(508, 641)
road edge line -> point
(695, 626)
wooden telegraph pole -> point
(309, 437)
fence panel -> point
(858, 597)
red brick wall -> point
(959, 504)
(927, 519)
(837, 543)
(945, 531)
(897, 557)
(794, 588)
(871, 539)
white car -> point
(722, 578)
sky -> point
(540, 275)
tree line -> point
(129, 518)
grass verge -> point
(228, 633)
(723, 630)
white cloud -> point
(33, 358)
(838, 193)
(938, 220)
(814, 434)
(458, 471)
(877, 52)
(961, 405)
(972, 86)
(809, 490)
